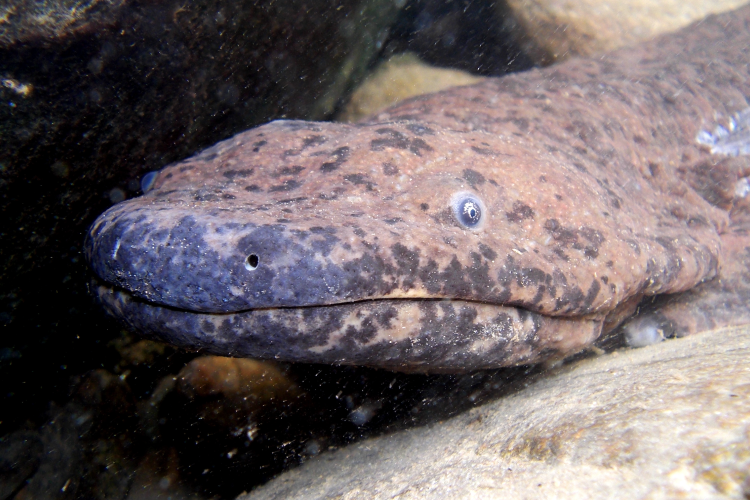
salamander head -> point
(297, 214)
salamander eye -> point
(148, 181)
(468, 210)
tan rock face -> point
(667, 421)
(400, 77)
(554, 30)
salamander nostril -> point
(251, 262)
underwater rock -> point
(400, 77)
(553, 30)
(665, 421)
(229, 392)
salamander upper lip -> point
(187, 267)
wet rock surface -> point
(666, 421)
(554, 30)
(400, 77)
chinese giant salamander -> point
(497, 224)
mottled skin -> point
(596, 195)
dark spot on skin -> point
(407, 260)
(258, 145)
(485, 151)
(473, 177)
(360, 179)
(233, 174)
(577, 165)
(417, 145)
(697, 220)
(520, 212)
(389, 169)
(634, 245)
(539, 294)
(359, 232)
(605, 279)
(168, 176)
(654, 169)
(591, 295)
(639, 140)
(558, 197)
(521, 123)
(366, 333)
(397, 140)
(424, 207)
(393, 221)
(283, 221)
(419, 129)
(386, 316)
(333, 194)
(202, 196)
(542, 178)
(293, 170)
(186, 168)
(453, 280)
(591, 234)
(228, 196)
(291, 200)
(591, 252)
(487, 252)
(560, 234)
(615, 200)
(315, 140)
(530, 276)
(340, 156)
(571, 299)
(287, 185)
(252, 188)
(561, 253)
(493, 182)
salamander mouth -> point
(103, 289)
(403, 334)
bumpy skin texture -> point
(595, 192)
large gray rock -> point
(668, 421)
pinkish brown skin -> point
(593, 189)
